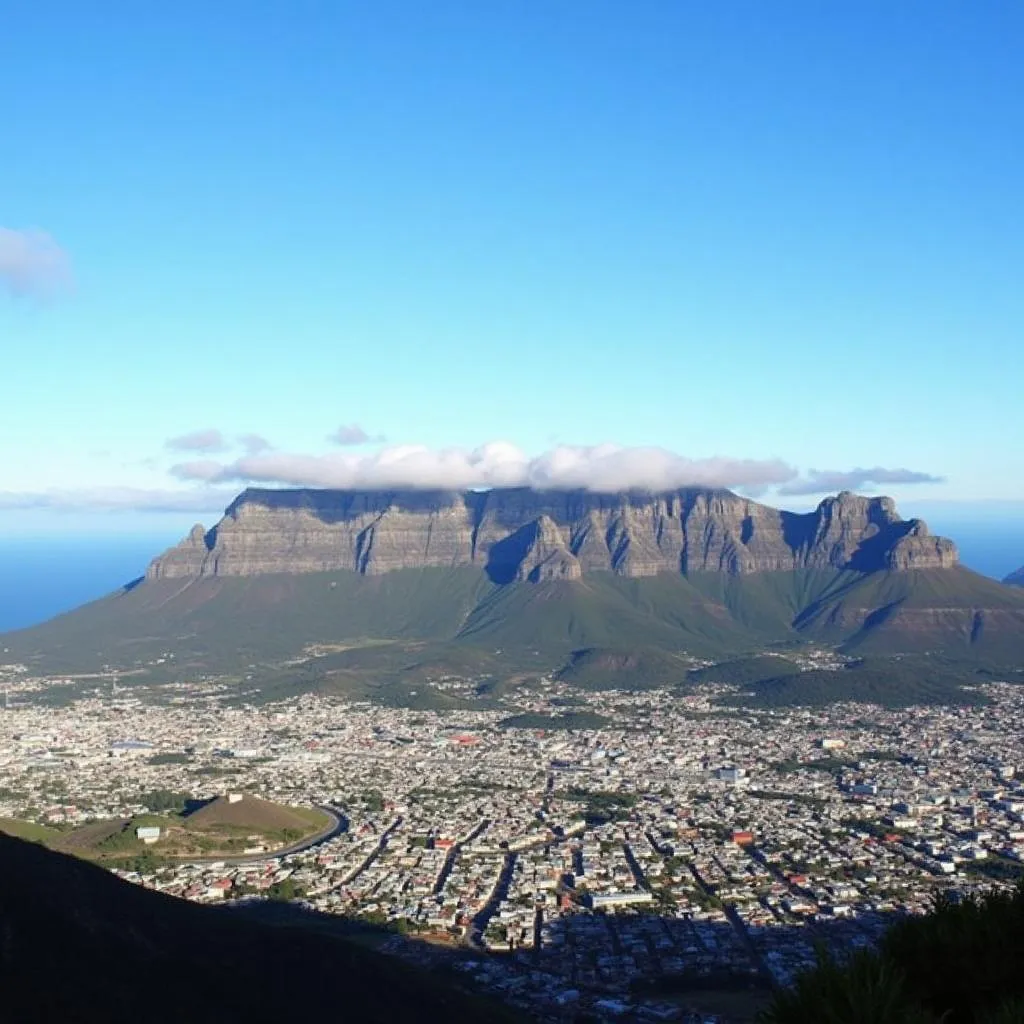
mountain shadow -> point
(79, 944)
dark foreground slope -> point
(79, 945)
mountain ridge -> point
(519, 534)
(402, 589)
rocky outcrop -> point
(1016, 579)
(521, 534)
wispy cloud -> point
(198, 469)
(209, 440)
(113, 499)
(349, 434)
(825, 481)
(209, 484)
(254, 443)
(32, 263)
(498, 464)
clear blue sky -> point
(781, 232)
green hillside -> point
(740, 671)
(387, 637)
(892, 682)
(600, 668)
(951, 610)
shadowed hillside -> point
(960, 964)
(81, 945)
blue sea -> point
(43, 576)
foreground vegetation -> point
(963, 963)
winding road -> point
(337, 824)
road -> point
(453, 854)
(475, 931)
(374, 853)
(634, 865)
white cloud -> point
(209, 440)
(32, 263)
(113, 499)
(353, 434)
(254, 443)
(497, 464)
(198, 469)
(827, 481)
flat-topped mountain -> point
(521, 534)
(346, 591)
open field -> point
(217, 828)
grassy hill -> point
(256, 815)
(214, 828)
(386, 638)
(952, 610)
(891, 682)
(741, 671)
(29, 830)
(81, 945)
(600, 668)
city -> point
(685, 858)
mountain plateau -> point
(344, 591)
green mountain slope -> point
(342, 632)
(955, 611)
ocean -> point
(43, 576)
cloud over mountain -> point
(32, 263)
(497, 464)
(208, 484)
(824, 481)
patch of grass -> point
(169, 758)
(28, 830)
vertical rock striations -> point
(521, 534)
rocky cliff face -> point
(520, 534)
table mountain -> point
(521, 534)
(413, 586)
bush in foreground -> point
(962, 963)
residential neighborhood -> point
(630, 871)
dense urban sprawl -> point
(686, 847)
